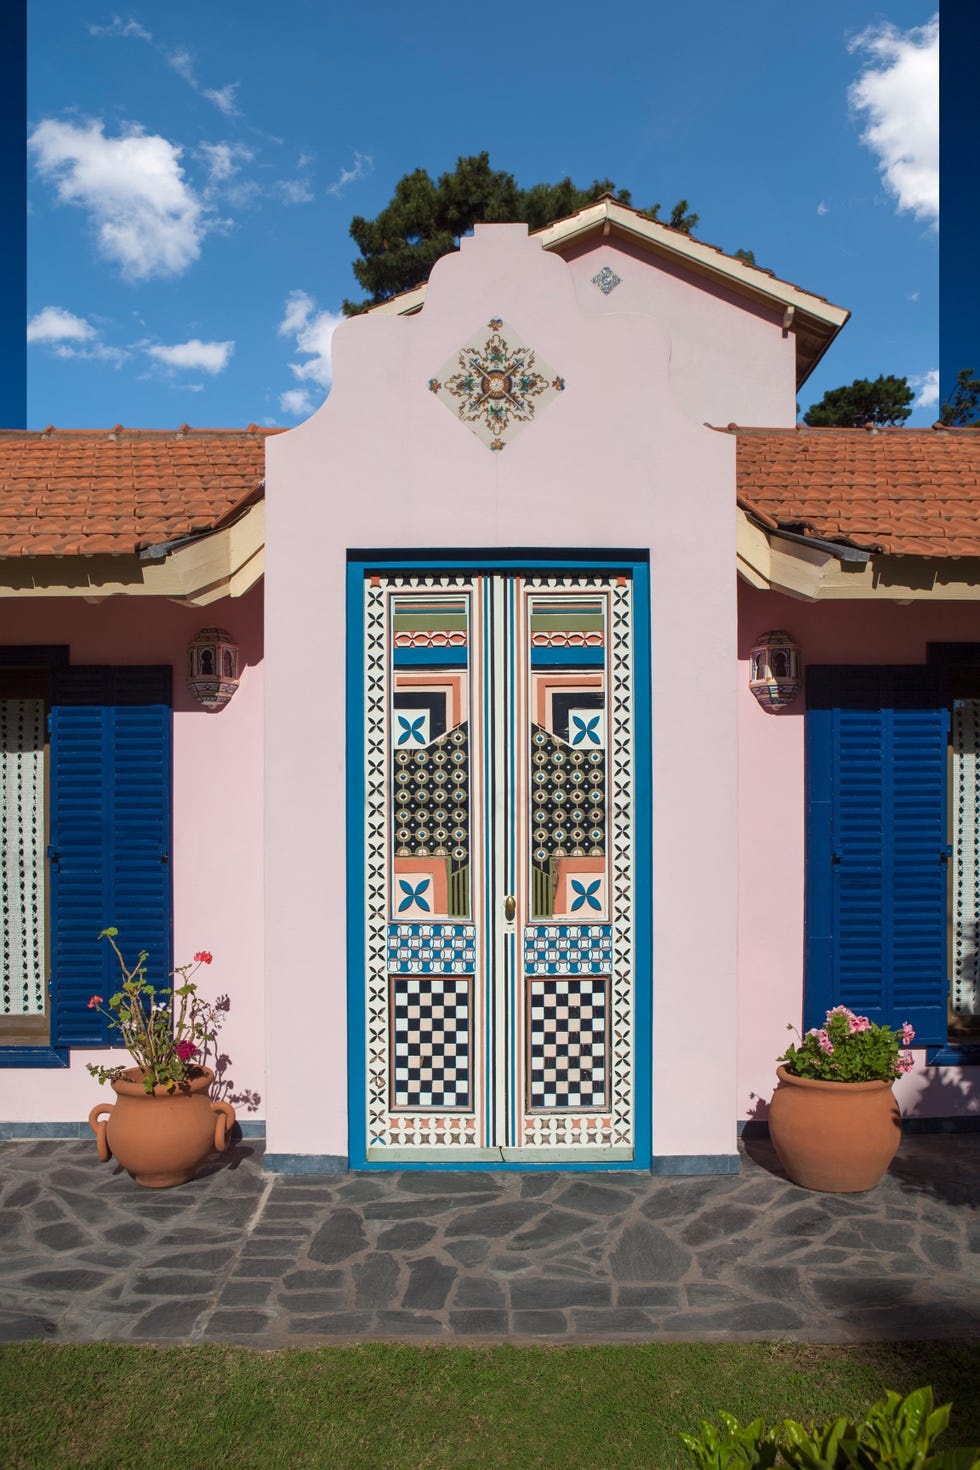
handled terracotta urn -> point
(161, 1138)
(837, 1137)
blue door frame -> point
(629, 563)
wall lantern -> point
(775, 673)
(212, 667)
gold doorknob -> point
(510, 908)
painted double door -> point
(500, 836)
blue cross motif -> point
(585, 730)
(585, 895)
(413, 895)
(411, 729)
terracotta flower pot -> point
(838, 1137)
(161, 1137)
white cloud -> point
(297, 403)
(119, 27)
(928, 385)
(146, 217)
(206, 357)
(911, 295)
(52, 324)
(292, 191)
(363, 165)
(183, 64)
(222, 159)
(313, 331)
(68, 335)
(241, 193)
(223, 97)
(899, 94)
(821, 208)
(298, 308)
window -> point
(87, 813)
(964, 867)
(24, 760)
(891, 884)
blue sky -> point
(193, 171)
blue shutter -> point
(110, 837)
(877, 741)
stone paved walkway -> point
(237, 1256)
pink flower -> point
(841, 1011)
(905, 1062)
(204, 957)
(859, 1023)
(824, 1042)
(185, 1050)
(908, 1035)
(96, 1000)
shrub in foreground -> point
(895, 1434)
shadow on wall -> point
(942, 1162)
(953, 1100)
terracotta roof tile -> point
(89, 492)
(905, 492)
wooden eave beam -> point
(767, 560)
(224, 563)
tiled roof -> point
(86, 492)
(74, 492)
(905, 492)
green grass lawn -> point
(385, 1407)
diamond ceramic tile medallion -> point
(496, 384)
(607, 280)
(499, 836)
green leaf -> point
(964, 1459)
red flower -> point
(96, 1000)
(204, 957)
(185, 1050)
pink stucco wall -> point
(703, 321)
(217, 857)
(617, 460)
(771, 827)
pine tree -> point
(884, 401)
(963, 404)
(425, 220)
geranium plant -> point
(850, 1048)
(166, 1031)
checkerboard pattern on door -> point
(568, 1025)
(430, 1042)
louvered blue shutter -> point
(110, 837)
(876, 895)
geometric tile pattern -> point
(376, 852)
(431, 794)
(567, 1043)
(568, 949)
(606, 279)
(495, 384)
(431, 949)
(615, 1128)
(568, 789)
(603, 1116)
(431, 1042)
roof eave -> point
(811, 569)
(820, 319)
(195, 571)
